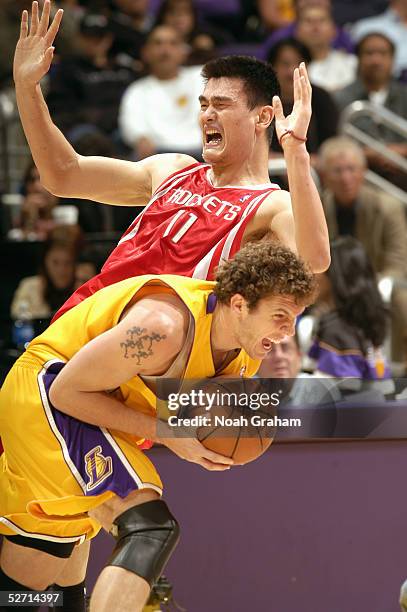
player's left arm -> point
(299, 216)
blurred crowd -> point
(125, 83)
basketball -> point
(236, 431)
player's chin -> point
(212, 154)
(257, 353)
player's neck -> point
(246, 173)
(223, 338)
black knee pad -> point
(8, 584)
(146, 536)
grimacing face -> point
(271, 321)
(228, 125)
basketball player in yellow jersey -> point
(61, 478)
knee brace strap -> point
(146, 536)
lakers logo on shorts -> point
(98, 467)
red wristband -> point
(291, 132)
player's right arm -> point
(146, 341)
(63, 172)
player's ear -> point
(265, 116)
(238, 304)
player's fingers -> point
(278, 108)
(24, 25)
(304, 73)
(305, 90)
(297, 85)
(34, 18)
(213, 467)
(48, 56)
(54, 27)
(44, 22)
(215, 458)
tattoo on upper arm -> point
(139, 344)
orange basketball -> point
(233, 430)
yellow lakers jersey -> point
(55, 468)
(102, 311)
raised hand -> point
(34, 50)
(295, 125)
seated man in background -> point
(375, 83)
(284, 361)
(329, 68)
(374, 218)
(159, 113)
(341, 39)
(86, 88)
(393, 24)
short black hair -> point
(292, 43)
(361, 42)
(259, 79)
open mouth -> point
(267, 344)
(213, 138)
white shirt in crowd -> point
(165, 111)
(334, 72)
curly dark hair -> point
(265, 269)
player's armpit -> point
(273, 221)
(116, 181)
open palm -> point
(297, 121)
(34, 50)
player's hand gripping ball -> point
(237, 426)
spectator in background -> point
(368, 214)
(349, 11)
(392, 24)
(159, 113)
(88, 264)
(96, 217)
(10, 18)
(284, 362)
(341, 40)
(262, 17)
(329, 68)
(285, 56)
(36, 217)
(45, 293)
(86, 88)
(375, 83)
(202, 39)
(130, 22)
(350, 336)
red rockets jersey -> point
(186, 228)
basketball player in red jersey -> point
(195, 214)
